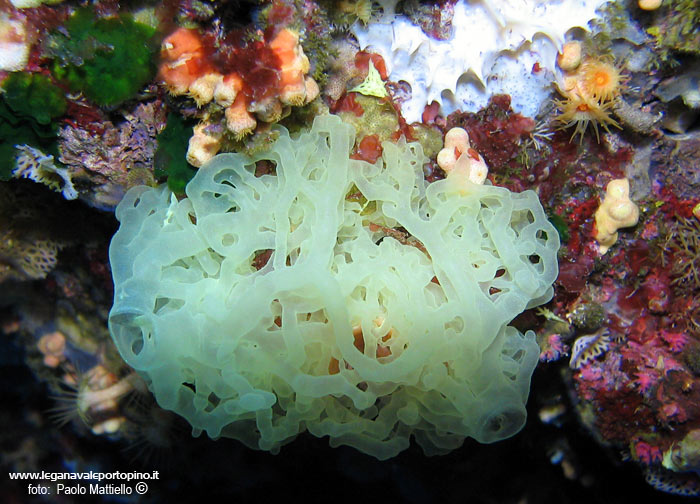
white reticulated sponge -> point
(494, 48)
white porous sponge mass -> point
(493, 48)
(345, 331)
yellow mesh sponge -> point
(262, 306)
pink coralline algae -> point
(591, 373)
(657, 289)
(672, 412)
(597, 376)
(675, 340)
(644, 390)
(645, 379)
(647, 453)
(642, 394)
(553, 348)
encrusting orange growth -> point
(293, 66)
(253, 81)
(226, 92)
(589, 93)
(182, 54)
(238, 119)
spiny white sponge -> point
(493, 48)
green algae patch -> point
(170, 159)
(109, 60)
(29, 105)
(35, 96)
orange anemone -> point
(579, 111)
(599, 80)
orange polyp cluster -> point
(251, 81)
(293, 66)
(589, 91)
(238, 119)
(600, 80)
